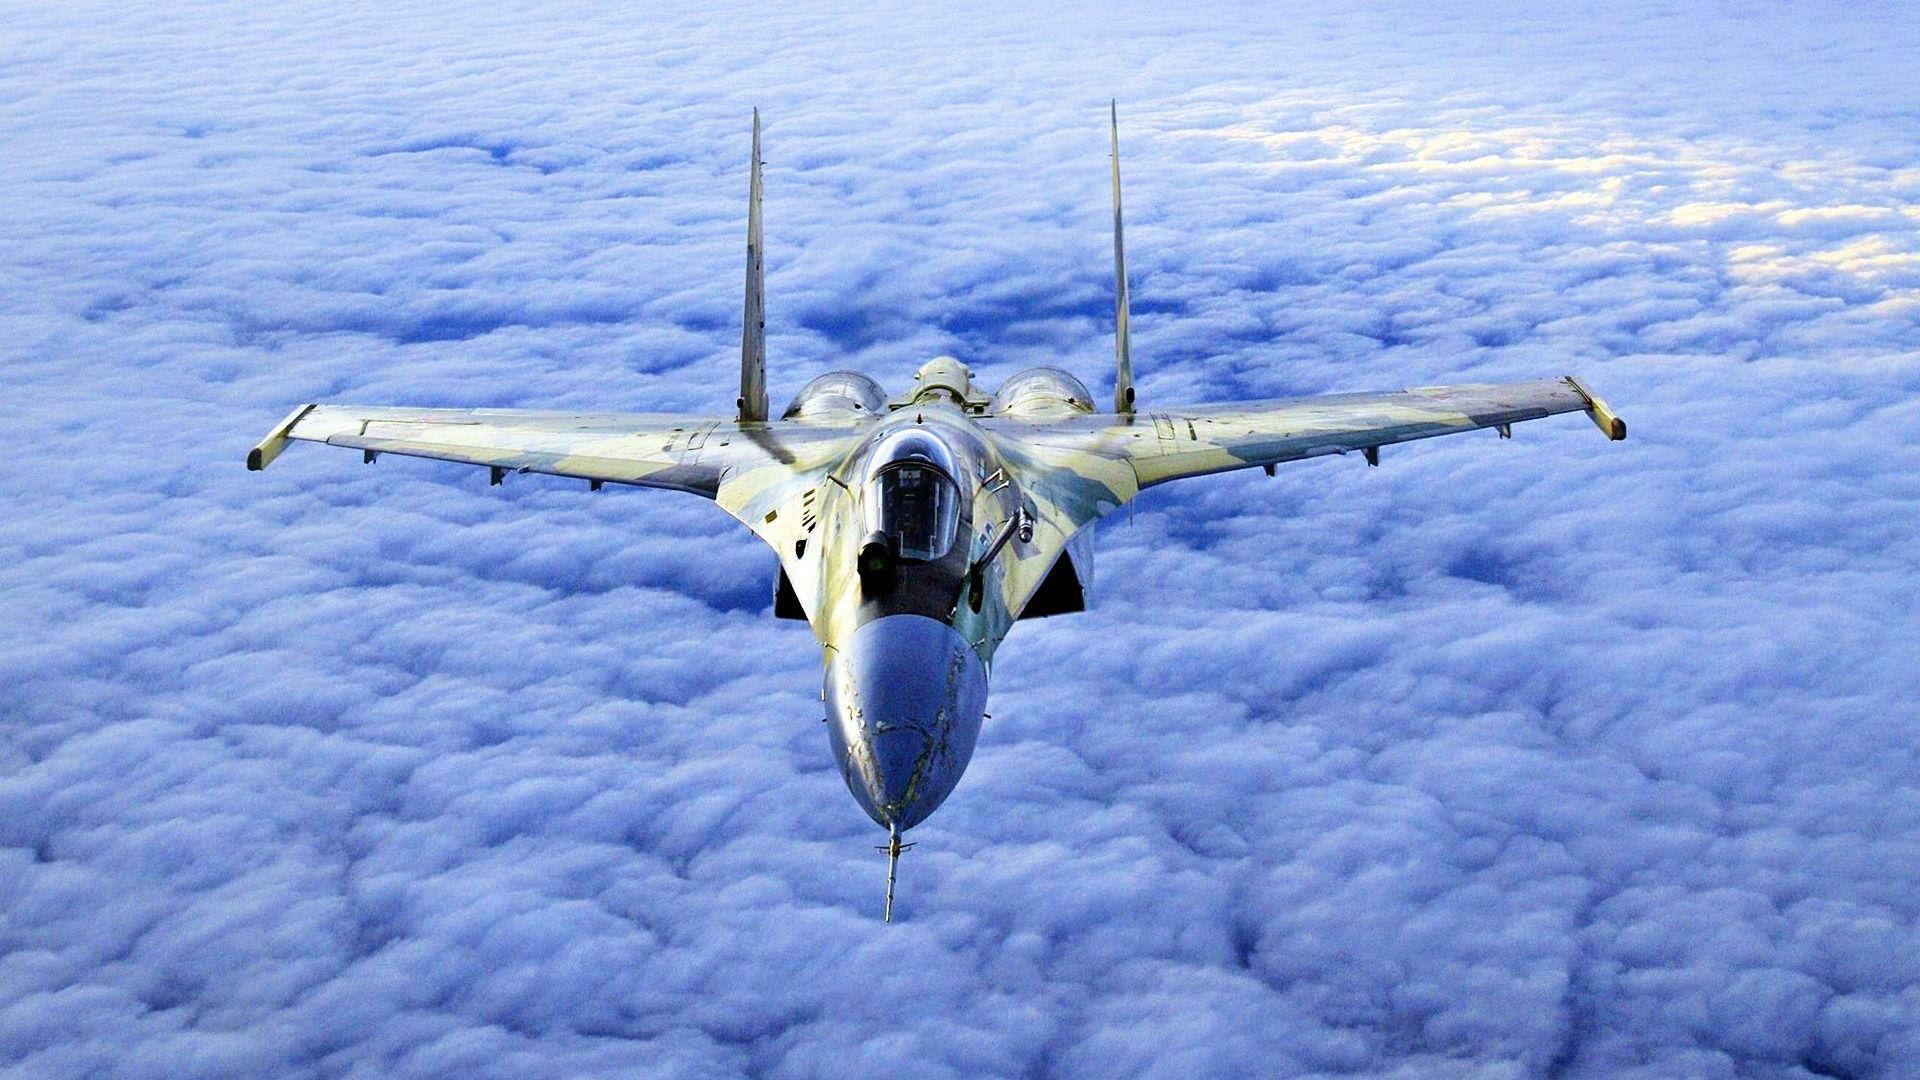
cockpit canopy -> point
(910, 495)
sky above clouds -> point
(1550, 757)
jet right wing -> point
(1216, 438)
(1076, 469)
(1094, 462)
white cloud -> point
(1541, 758)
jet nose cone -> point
(904, 701)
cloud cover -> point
(1535, 758)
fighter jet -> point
(914, 529)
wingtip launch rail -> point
(269, 448)
(1603, 416)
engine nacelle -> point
(1040, 392)
(837, 393)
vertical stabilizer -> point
(753, 323)
(1123, 350)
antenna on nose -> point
(893, 847)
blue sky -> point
(1549, 757)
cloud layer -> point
(1550, 757)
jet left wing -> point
(697, 454)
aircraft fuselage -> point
(909, 613)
